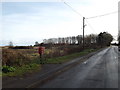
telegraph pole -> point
(83, 32)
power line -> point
(88, 17)
(102, 15)
(90, 26)
(72, 8)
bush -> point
(14, 57)
(7, 69)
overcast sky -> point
(23, 23)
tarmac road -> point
(99, 71)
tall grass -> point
(20, 57)
(11, 57)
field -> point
(19, 57)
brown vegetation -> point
(19, 57)
(16, 57)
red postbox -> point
(41, 50)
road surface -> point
(99, 71)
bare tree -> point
(59, 40)
(93, 38)
(63, 40)
(73, 39)
(36, 43)
(79, 39)
(10, 43)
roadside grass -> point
(0, 73)
(19, 71)
(62, 59)
(35, 64)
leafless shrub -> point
(14, 57)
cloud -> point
(99, 7)
(50, 20)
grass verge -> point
(19, 71)
(0, 74)
(66, 58)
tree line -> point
(102, 39)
